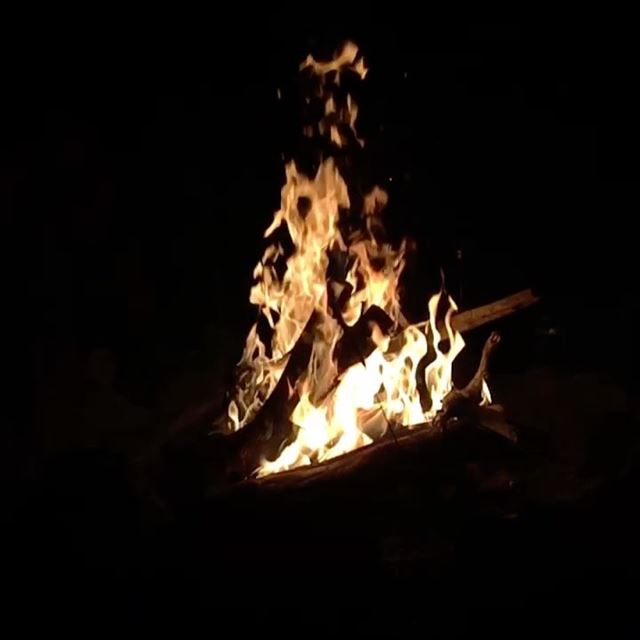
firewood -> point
(265, 435)
(271, 429)
(222, 460)
(349, 463)
(413, 455)
(356, 344)
(474, 318)
(460, 402)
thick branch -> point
(473, 318)
(265, 435)
(356, 344)
(416, 452)
(460, 402)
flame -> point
(338, 412)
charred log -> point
(474, 318)
(356, 343)
(238, 454)
(271, 429)
(414, 454)
(464, 402)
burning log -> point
(455, 437)
(265, 435)
(461, 402)
(460, 411)
(474, 318)
(356, 344)
(464, 321)
(193, 460)
(299, 399)
(375, 456)
(415, 453)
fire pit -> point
(361, 471)
(332, 364)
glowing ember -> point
(338, 412)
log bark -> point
(474, 318)
(239, 454)
(411, 452)
(412, 455)
(459, 405)
(272, 429)
(265, 435)
(463, 402)
(356, 343)
(415, 439)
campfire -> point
(339, 366)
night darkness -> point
(138, 170)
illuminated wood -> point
(460, 406)
(474, 318)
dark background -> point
(140, 164)
(140, 167)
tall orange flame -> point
(338, 412)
